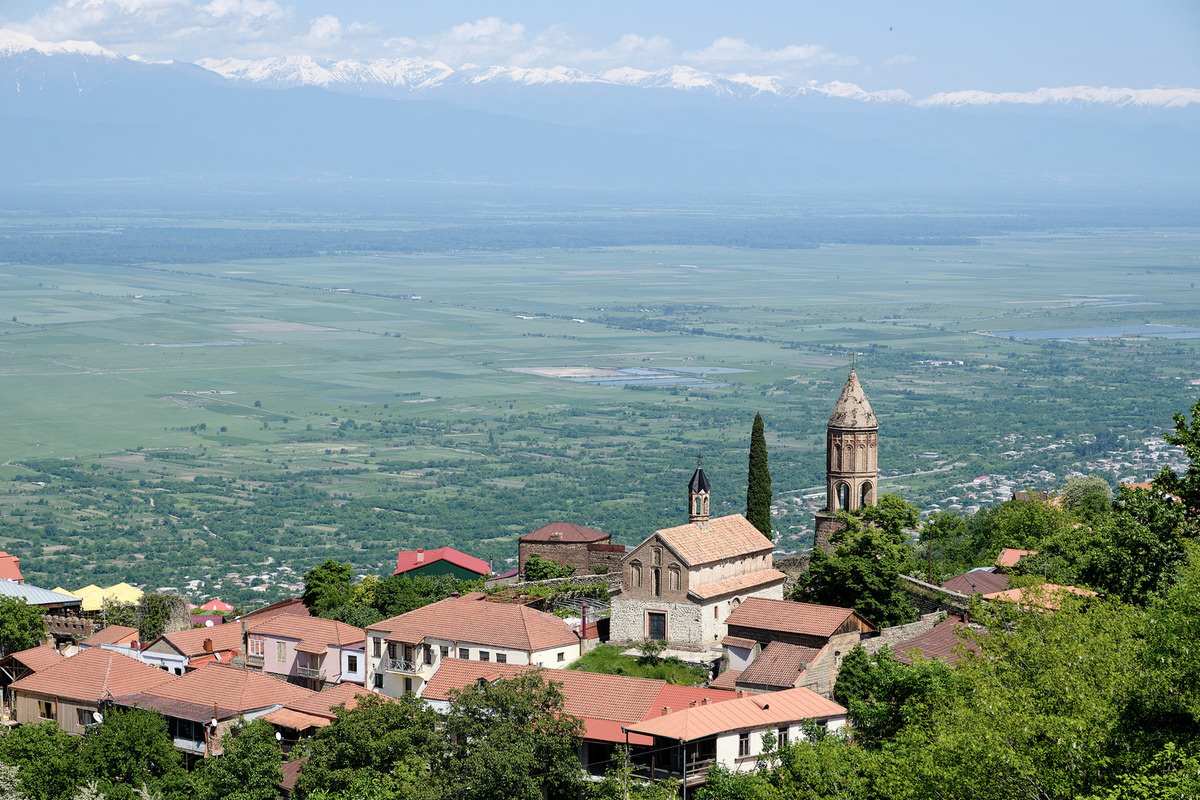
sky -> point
(919, 46)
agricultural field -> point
(180, 423)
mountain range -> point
(76, 111)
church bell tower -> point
(851, 459)
(698, 495)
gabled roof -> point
(1009, 556)
(234, 691)
(852, 409)
(10, 567)
(314, 634)
(939, 643)
(316, 711)
(778, 666)
(787, 616)
(91, 674)
(507, 625)
(36, 658)
(34, 595)
(977, 581)
(603, 702)
(715, 540)
(411, 559)
(294, 605)
(112, 634)
(565, 532)
(93, 596)
(738, 583)
(190, 643)
(742, 714)
(738, 641)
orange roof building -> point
(681, 583)
(71, 690)
(404, 651)
(10, 568)
(113, 635)
(1043, 598)
(308, 651)
(178, 652)
(1010, 556)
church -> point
(681, 584)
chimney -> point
(739, 692)
(208, 645)
(692, 704)
(666, 710)
(420, 555)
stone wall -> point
(902, 633)
(605, 558)
(793, 567)
(685, 623)
(929, 598)
(572, 554)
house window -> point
(781, 738)
(562, 656)
(281, 652)
(501, 658)
(351, 663)
(445, 651)
(392, 650)
(257, 646)
(484, 655)
(376, 648)
(428, 654)
(656, 578)
(464, 652)
(408, 685)
(83, 716)
(743, 745)
(47, 709)
(378, 680)
(716, 612)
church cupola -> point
(698, 495)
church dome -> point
(852, 409)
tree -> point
(758, 480)
(327, 586)
(887, 695)
(10, 784)
(540, 569)
(511, 740)
(21, 625)
(388, 744)
(892, 515)
(862, 573)
(1187, 486)
(1137, 551)
(130, 748)
(248, 769)
(1088, 497)
(47, 760)
(853, 678)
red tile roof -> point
(778, 666)
(738, 583)
(977, 581)
(939, 643)
(565, 532)
(603, 702)
(293, 606)
(37, 658)
(715, 540)
(190, 643)
(507, 625)
(786, 616)
(726, 680)
(737, 641)
(322, 703)
(112, 634)
(216, 605)
(10, 568)
(1009, 557)
(744, 713)
(314, 634)
(1045, 597)
(234, 691)
(92, 674)
(411, 559)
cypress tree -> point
(758, 483)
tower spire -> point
(699, 491)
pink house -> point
(307, 651)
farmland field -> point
(350, 404)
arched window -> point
(675, 577)
(635, 574)
(865, 497)
(656, 577)
(843, 497)
(657, 556)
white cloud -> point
(727, 50)
(900, 60)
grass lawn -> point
(609, 659)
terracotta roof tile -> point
(296, 720)
(743, 713)
(10, 567)
(1045, 597)
(726, 680)
(315, 634)
(738, 583)
(786, 616)
(234, 691)
(715, 540)
(1009, 557)
(37, 658)
(939, 643)
(322, 703)
(292, 606)
(190, 643)
(411, 559)
(291, 772)
(508, 625)
(565, 532)
(92, 673)
(778, 666)
(737, 641)
(977, 581)
(112, 634)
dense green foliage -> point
(540, 569)
(758, 480)
(153, 614)
(248, 769)
(21, 626)
(327, 586)
(609, 659)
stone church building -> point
(681, 583)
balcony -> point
(254, 661)
(311, 672)
(401, 665)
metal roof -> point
(36, 596)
